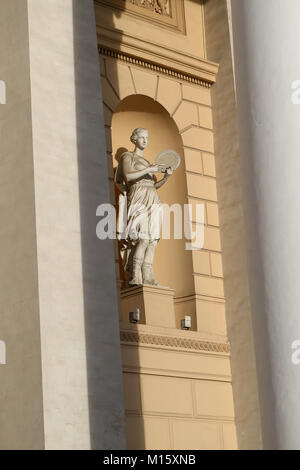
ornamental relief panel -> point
(166, 13)
(162, 7)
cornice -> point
(135, 337)
(155, 66)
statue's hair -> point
(135, 134)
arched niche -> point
(172, 264)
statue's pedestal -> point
(156, 305)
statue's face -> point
(142, 140)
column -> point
(267, 62)
(62, 383)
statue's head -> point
(140, 137)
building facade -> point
(78, 76)
(156, 75)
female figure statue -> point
(140, 210)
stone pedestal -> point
(156, 305)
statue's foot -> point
(151, 283)
(137, 278)
(148, 275)
(135, 282)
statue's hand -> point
(168, 172)
(157, 169)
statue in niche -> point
(140, 209)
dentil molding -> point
(155, 67)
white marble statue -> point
(140, 210)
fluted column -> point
(267, 62)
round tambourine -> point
(169, 159)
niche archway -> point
(172, 264)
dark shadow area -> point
(117, 157)
(120, 152)
(98, 267)
(105, 397)
(106, 17)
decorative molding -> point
(162, 7)
(173, 372)
(153, 66)
(174, 342)
(164, 13)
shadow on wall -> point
(135, 432)
(142, 111)
(105, 398)
(103, 359)
(118, 245)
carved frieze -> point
(165, 13)
(174, 342)
(162, 7)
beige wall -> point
(177, 394)
(173, 398)
(120, 25)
